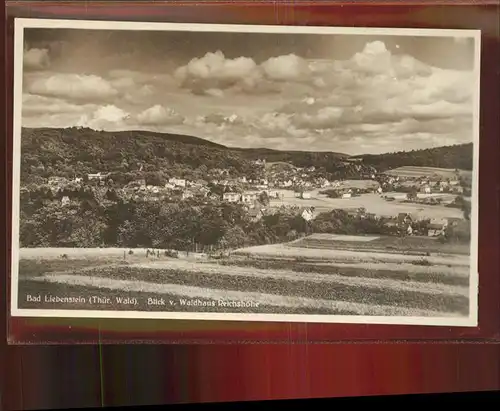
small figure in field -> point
(147, 253)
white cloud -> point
(213, 73)
(36, 59)
(90, 88)
(36, 105)
(286, 68)
(159, 115)
(216, 68)
(107, 117)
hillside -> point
(297, 158)
(70, 151)
(455, 157)
(77, 151)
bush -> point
(423, 262)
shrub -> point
(423, 262)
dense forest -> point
(456, 157)
(182, 225)
(77, 151)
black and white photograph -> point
(245, 173)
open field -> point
(269, 278)
(282, 251)
(373, 203)
(415, 172)
(413, 245)
(360, 184)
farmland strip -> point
(279, 250)
(374, 283)
(264, 299)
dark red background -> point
(40, 377)
(392, 15)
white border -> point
(21, 24)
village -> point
(281, 186)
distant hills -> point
(456, 156)
(75, 151)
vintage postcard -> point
(253, 173)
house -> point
(249, 197)
(352, 213)
(97, 176)
(435, 229)
(56, 180)
(78, 179)
(187, 194)
(65, 201)
(231, 197)
(404, 220)
(308, 214)
(399, 196)
(305, 195)
(346, 195)
(255, 214)
(457, 190)
(425, 189)
(379, 190)
(178, 182)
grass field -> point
(414, 172)
(282, 278)
(373, 203)
(401, 245)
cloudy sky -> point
(346, 93)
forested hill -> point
(50, 151)
(77, 151)
(456, 156)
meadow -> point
(289, 278)
(372, 203)
(415, 172)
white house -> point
(231, 197)
(249, 197)
(305, 195)
(178, 182)
(346, 195)
(307, 214)
(436, 227)
(255, 214)
(65, 201)
(97, 176)
(57, 180)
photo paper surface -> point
(245, 173)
